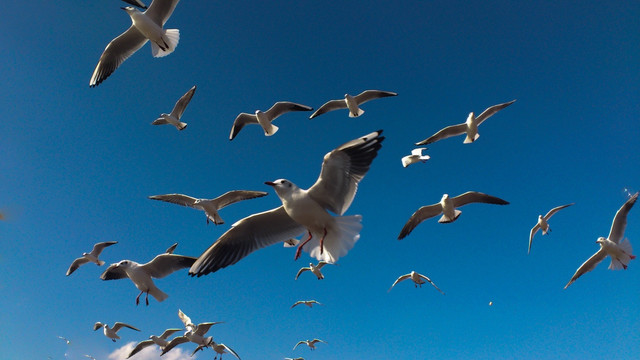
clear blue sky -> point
(78, 163)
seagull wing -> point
(141, 345)
(171, 248)
(367, 95)
(401, 278)
(119, 325)
(329, 106)
(245, 236)
(418, 151)
(620, 220)
(447, 132)
(234, 196)
(165, 264)
(431, 282)
(492, 110)
(97, 248)
(230, 350)
(202, 328)
(588, 265)
(114, 272)
(419, 216)
(174, 342)
(299, 342)
(301, 271)
(296, 303)
(533, 232)
(160, 10)
(178, 109)
(342, 170)
(185, 320)
(317, 341)
(240, 121)
(282, 107)
(555, 210)
(179, 199)
(76, 264)
(168, 333)
(118, 50)
(476, 197)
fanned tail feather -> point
(360, 112)
(170, 38)
(158, 294)
(272, 130)
(623, 261)
(446, 219)
(338, 242)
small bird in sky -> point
(416, 156)
(543, 223)
(315, 269)
(112, 332)
(352, 102)
(298, 358)
(418, 280)
(309, 303)
(265, 118)
(310, 343)
(220, 349)
(176, 114)
(65, 340)
(90, 256)
(194, 334)
(161, 341)
(90, 357)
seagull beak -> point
(270, 183)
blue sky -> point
(78, 164)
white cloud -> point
(150, 353)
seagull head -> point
(600, 240)
(282, 186)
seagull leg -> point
(146, 298)
(299, 250)
(138, 298)
(322, 241)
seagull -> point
(416, 156)
(90, 357)
(470, 127)
(90, 257)
(137, 3)
(194, 335)
(65, 340)
(142, 274)
(447, 206)
(418, 280)
(161, 341)
(542, 223)
(310, 343)
(220, 349)
(315, 269)
(352, 102)
(210, 206)
(176, 113)
(298, 358)
(112, 333)
(619, 250)
(145, 26)
(309, 303)
(190, 326)
(265, 118)
(342, 170)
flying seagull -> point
(210, 206)
(619, 250)
(176, 113)
(141, 274)
(309, 303)
(90, 357)
(161, 341)
(145, 26)
(137, 3)
(112, 332)
(90, 257)
(342, 170)
(220, 349)
(315, 269)
(310, 343)
(418, 280)
(542, 223)
(416, 156)
(264, 118)
(447, 206)
(352, 102)
(65, 340)
(193, 334)
(470, 127)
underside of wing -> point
(588, 265)
(178, 109)
(447, 132)
(241, 120)
(118, 50)
(178, 199)
(234, 196)
(476, 197)
(165, 264)
(329, 106)
(620, 220)
(419, 216)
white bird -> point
(619, 250)
(315, 269)
(112, 332)
(298, 358)
(309, 303)
(470, 127)
(352, 102)
(195, 335)
(447, 206)
(161, 341)
(416, 156)
(145, 26)
(342, 170)
(210, 206)
(543, 223)
(310, 343)
(137, 3)
(90, 357)
(65, 340)
(141, 274)
(176, 114)
(90, 256)
(265, 118)
(418, 280)
(220, 349)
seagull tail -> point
(272, 129)
(339, 240)
(469, 140)
(169, 43)
(623, 260)
(445, 219)
(181, 126)
(360, 112)
(100, 262)
(158, 294)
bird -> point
(174, 117)
(298, 358)
(90, 256)
(161, 341)
(137, 3)
(190, 326)
(613, 246)
(309, 303)
(90, 357)
(141, 274)
(416, 156)
(543, 224)
(145, 26)
(315, 269)
(210, 206)
(265, 118)
(112, 332)
(470, 127)
(352, 102)
(447, 206)
(220, 349)
(194, 335)
(65, 340)
(342, 169)
(418, 280)
(310, 343)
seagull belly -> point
(148, 28)
(352, 104)
(140, 279)
(472, 129)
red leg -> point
(299, 249)
(322, 241)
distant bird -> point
(619, 250)
(291, 242)
(90, 357)
(418, 280)
(309, 303)
(315, 269)
(137, 3)
(342, 170)
(65, 340)
(447, 206)
(298, 358)
(265, 118)
(542, 223)
(416, 156)
(210, 206)
(310, 343)
(352, 102)
(141, 274)
(112, 333)
(145, 26)
(171, 248)
(470, 127)
(220, 349)
(161, 341)
(193, 334)
(176, 114)
(90, 257)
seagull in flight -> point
(315, 269)
(470, 127)
(220, 349)
(90, 256)
(310, 343)
(65, 340)
(161, 341)
(145, 26)
(265, 118)
(174, 117)
(309, 303)
(352, 102)
(447, 206)
(333, 236)
(418, 280)
(543, 223)
(613, 246)
(416, 156)
(112, 332)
